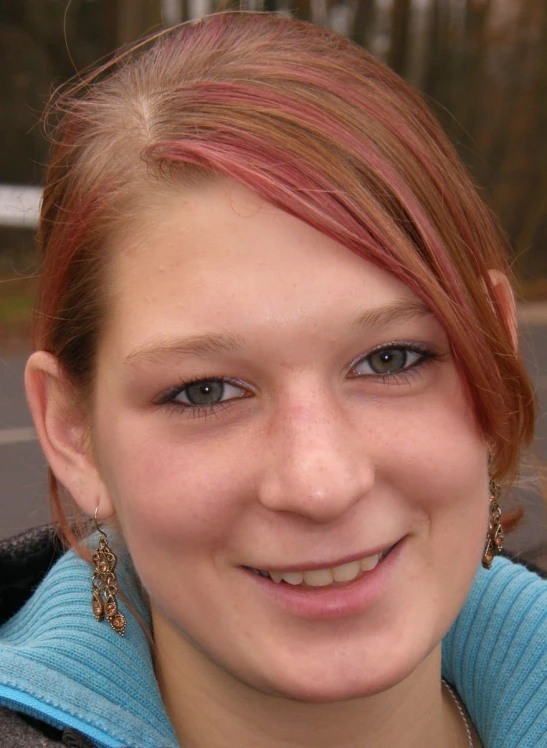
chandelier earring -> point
(104, 584)
(494, 535)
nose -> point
(317, 464)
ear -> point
(62, 425)
(506, 302)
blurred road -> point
(23, 500)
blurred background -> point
(482, 65)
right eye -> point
(206, 392)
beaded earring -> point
(494, 535)
(104, 584)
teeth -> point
(324, 577)
(318, 577)
(259, 572)
(368, 564)
(293, 577)
(346, 572)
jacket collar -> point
(59, 665)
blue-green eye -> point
(207, 392)
(392, 360)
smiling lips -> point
(323, 577)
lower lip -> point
(335, 601)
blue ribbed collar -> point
(59, 665)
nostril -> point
(317, 472)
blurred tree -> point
(481, 63)
(40, 48)
(363, 23)
(486, 74)
(127, 20)
(302, 9)
(400, 31)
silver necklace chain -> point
(456, 701)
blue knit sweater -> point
(59, 665)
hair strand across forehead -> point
(316, 126)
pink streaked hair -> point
(313, 124)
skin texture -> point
(313, 459)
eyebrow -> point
(399, 311)
(162, 349)
(195, 345)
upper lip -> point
(312, 565)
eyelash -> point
(427, 356)
(167, 399)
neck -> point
(209, 706)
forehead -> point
(221, 256)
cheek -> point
(434, 467)
(439, 434)
(436, 457)
(172, 490)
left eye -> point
(207, 392)
(388, 361)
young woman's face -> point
(267, 401)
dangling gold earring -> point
(494, 536)
(104, 584)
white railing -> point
(19, 205)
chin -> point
(328, 693)
(332, 692)
(330, 685)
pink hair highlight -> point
(285, 185)
(316, 126)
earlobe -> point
(506, 302)
(62, 430)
